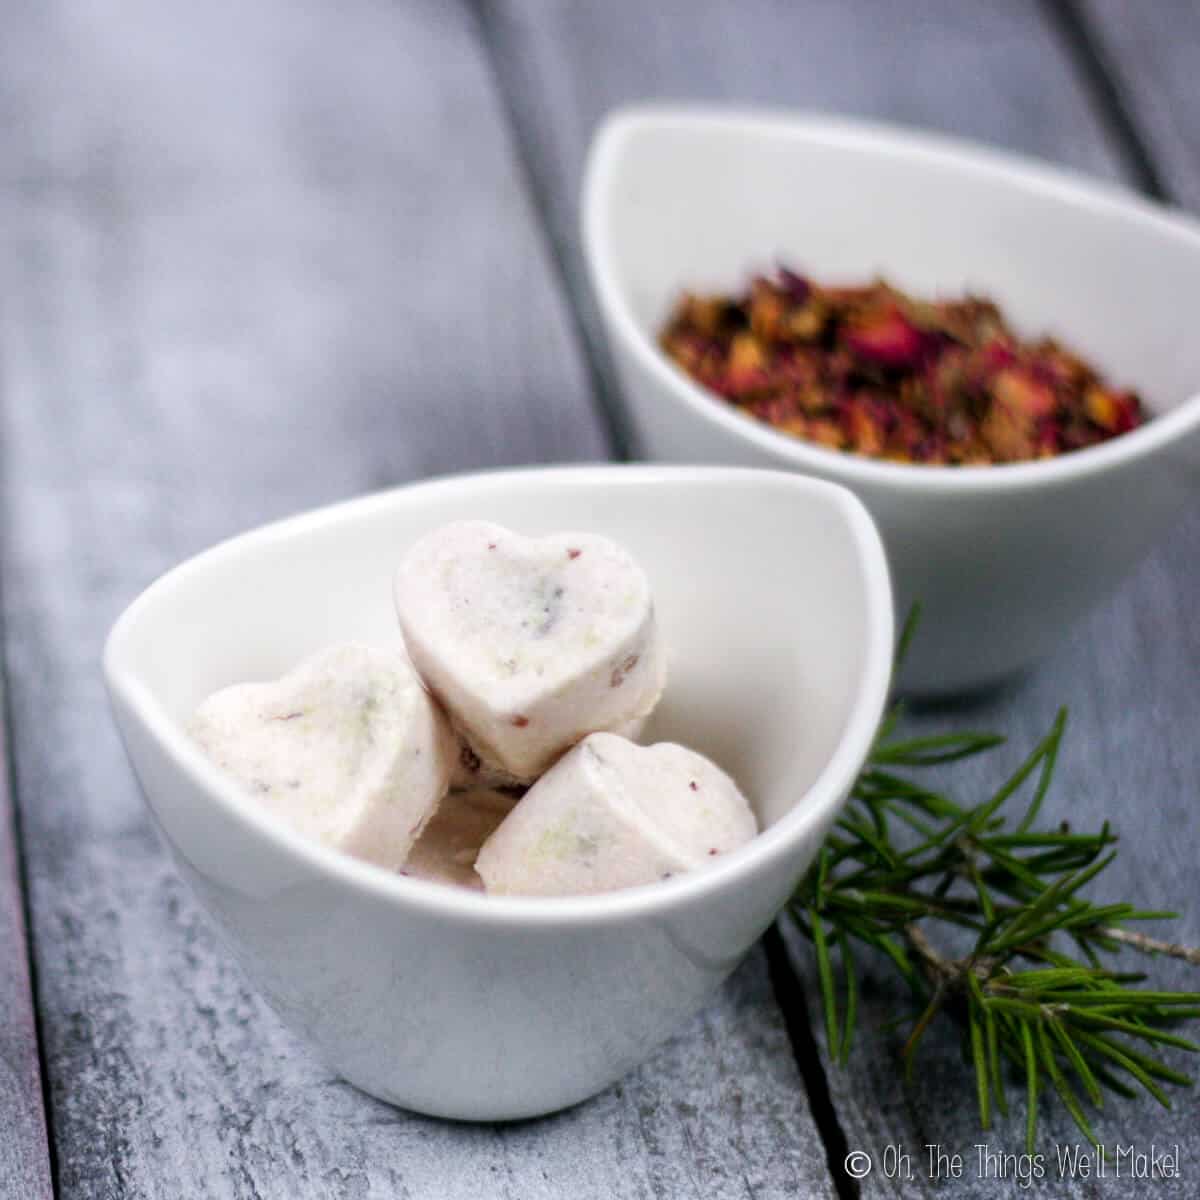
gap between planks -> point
(595, 356)
(41, 1182)
(1101, 83)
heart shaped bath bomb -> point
(347, 749)
(611, 814)
(446, 851)
(529, 643)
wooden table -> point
(257, 257)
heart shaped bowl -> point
(1004, 559)
(772, 594)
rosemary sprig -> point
(906, 863)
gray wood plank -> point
(257, 258)
(1151, 51)
(995, 72)
(24, 1149)
(981, 71)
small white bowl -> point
(1005, 558)
(772, 593)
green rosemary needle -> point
(1031, 989)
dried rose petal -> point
(1114, 412)
(864, 430)
(707, 313)
(887, 339)
(797, 287)
(767, 311)
(995, 355)
(1019, 390)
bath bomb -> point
(446, 851)
(347, 749)
(529, 644)
(611, 814)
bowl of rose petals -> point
(995, 356)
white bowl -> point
(1003, 559)
(773, 595)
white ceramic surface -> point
(1003, 559)
(773, 597)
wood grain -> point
(257, 258)
(1000, 73)
(24, 1149)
